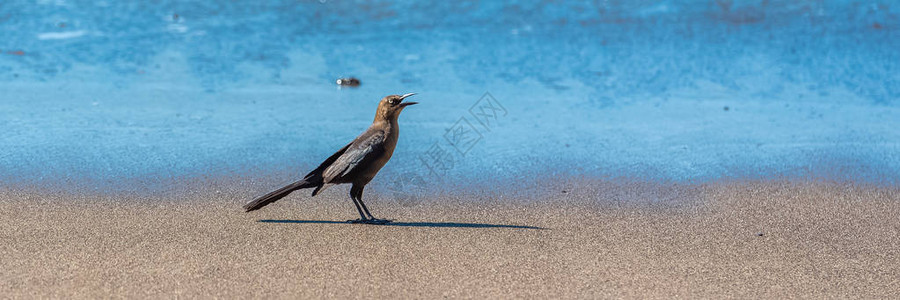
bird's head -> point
(390, 106)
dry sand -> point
(731, 240)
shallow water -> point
(96, 94)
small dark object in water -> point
(348, 81)
(726, 108)
(759, 234)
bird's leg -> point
(366, 209)
(372, 219)
(362, 218)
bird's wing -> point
(312, 176)
(366, 147)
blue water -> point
(106, 94)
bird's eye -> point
(394, 101)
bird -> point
(357, 163)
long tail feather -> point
(276, 195)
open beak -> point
(405, 104)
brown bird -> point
(357, 163)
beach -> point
(741, 239)
(605, 149)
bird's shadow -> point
(410, 224)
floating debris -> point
(348, 82)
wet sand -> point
(734, 240)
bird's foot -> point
(378, 221)
(370, 221)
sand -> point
(714, 240)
